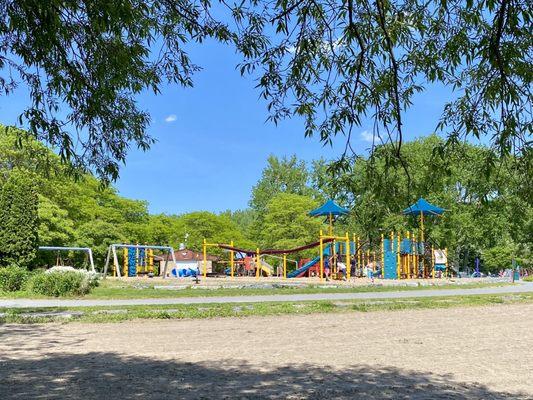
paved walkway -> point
(525, 287)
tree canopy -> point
(85, 62)
(332, 63)
(335, 63)
(287, 223)
(84, 213)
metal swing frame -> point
(59, 249)
(112, 252)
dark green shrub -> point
(12, 278)
(63, 283)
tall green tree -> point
(244, 220)
(280, 175)
(214, 228)
(287, 223)
(19, 221)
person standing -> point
(341, 270)
(370, 270)
(327, 268)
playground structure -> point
(282, 259)
(394, 257)
(245, 265)
(410, 258)
(251, 259)
(60, 249)
(137, 259)
(397, 255)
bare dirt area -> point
(471, 353)
(241, 281)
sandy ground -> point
(474, 353)
(215, 283)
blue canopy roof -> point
(329, 207)
(424, 207)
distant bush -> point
(528, 278)
(12, 278)
(63, 283)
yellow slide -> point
(266, 268)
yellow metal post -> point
(125, 261)
(284, 266)
(136, 259)
(413, 260)
(321, 249)
(151, 260)
(409, 256)
(382, 256)
(354, 254)
(421, 226)
(205, 258)
(359, 268)
(399, 257)
(422, 238)
(257, 264)
(348, 264)
(231, 261)
(415, 254)
(446, 255)
(333, 267)
(432, 262)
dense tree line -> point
(83, 212)
(487, 215)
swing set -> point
(60, 249)
(138, 259)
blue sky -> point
(213, 139)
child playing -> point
(326, 268)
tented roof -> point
(329, 208)
(422, 206)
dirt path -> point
(474, 353)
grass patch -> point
(216, 310)
(106, 291)
(119, 289)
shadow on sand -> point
(101, 375)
